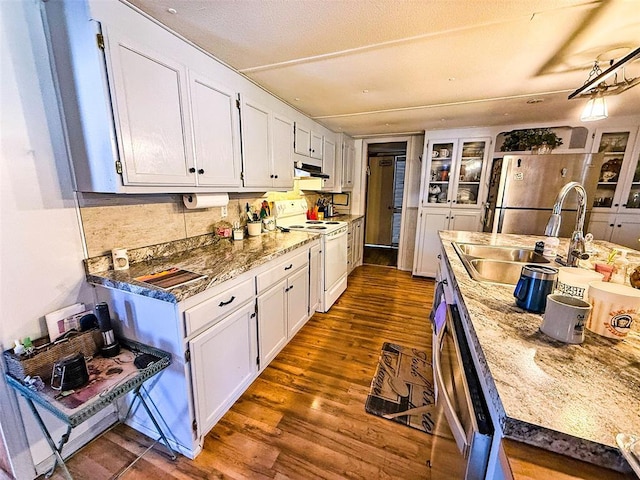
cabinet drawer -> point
(218, 306)
(280, 270)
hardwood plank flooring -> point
(303, 417)
(380, 256)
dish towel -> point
(439, 310)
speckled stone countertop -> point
(219, 259)
(570, 399)
(345, 217)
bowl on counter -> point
(615, 308)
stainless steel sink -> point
(496, 264)
(492, 252)
(495, 271)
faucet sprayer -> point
(576, 244)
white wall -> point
(40, 238)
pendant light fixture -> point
(596, 87)
(596, 108)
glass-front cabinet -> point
(441, 158)
(633, 199)
(454, 176)
(619, 181)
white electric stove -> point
(292, 214)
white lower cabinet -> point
(430, 222)
(623, 229)
(283, 309)
(217, 340)
(272, 322)
(224, 363)
(315, 271)
(355, 244)
(297, 300)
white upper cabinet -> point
(147, 112)
(282, 151)
(316, 146)
(308, 142)
(348, 162)
(302, 140)
(617, 183)
(256, 144)
(453, 177)
(216, 130)
(267, 140)
(149, 92)
(329, 164)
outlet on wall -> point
(223, 211)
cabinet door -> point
(438, 176)
(216, 130)
(150, 98)
(256, 144)
(282, 152)
(223, 364)
(348, 159)
(272, 322)
(316, 146)
(302, 140)
(297, 300)
(631, 189)
(469, 169)
(616, 146)
(601, 225)
(358, 242)
(427, 246)
(468, 221)
(626, 231)
(329, 164)
(315, 272)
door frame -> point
(409, 139)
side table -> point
(110, 379)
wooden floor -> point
(384, 256)
(304, 417)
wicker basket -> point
(41, 363)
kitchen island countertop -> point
(220, 259)
(569, 399)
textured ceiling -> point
(371, 67)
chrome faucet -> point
(576, 243)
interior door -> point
(379, 225)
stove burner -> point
(317, 227)
(332, 223)
(296, 226)
(314, 221)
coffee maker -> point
(110, 347)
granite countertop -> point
(570, 399)
(345, 217)
(220, 259)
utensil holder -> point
(254, 228)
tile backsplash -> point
(134, 221)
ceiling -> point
(375, 67)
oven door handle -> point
(454, 422)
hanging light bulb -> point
(595, 109)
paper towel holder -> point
(205, 200)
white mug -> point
(444, 152)
(565, 318)
(120, 259)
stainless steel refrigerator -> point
(523, 189)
